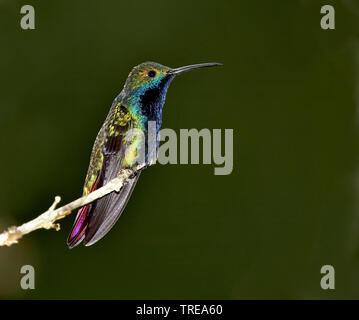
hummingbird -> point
(139, 103)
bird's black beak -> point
(181, 70)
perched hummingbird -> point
(139, 103)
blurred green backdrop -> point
(288, 89)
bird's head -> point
(147, 75)
(152, 79)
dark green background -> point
(288, 89)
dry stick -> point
(48, 218)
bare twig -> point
(47, 219)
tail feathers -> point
(106, 211)
(95, 220)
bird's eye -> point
(151, 73)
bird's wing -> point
(108, 157)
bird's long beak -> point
(180, 70)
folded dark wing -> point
(95, 220)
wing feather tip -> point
(79, 227)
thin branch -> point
(47, 219)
